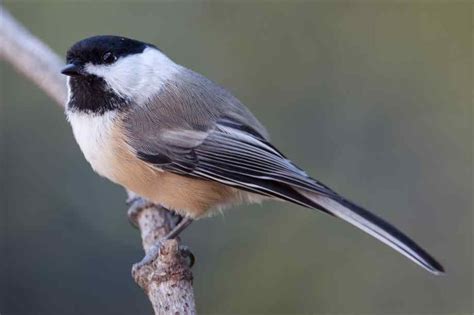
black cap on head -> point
(104, 49)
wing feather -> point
(236, 155)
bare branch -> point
(31, 57)
(168, 280)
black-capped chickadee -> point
(178, 139)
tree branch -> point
(168, 280)
(31, 57)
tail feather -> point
(373, 225)
(236, 155)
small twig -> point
(167, 280)
(31, 57)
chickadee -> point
(178, 139)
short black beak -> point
(72, 70)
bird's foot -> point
(155, 251)
(151, 255)
(136, 204)
(165, 261)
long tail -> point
(373, 225)
(235, 155)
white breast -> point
(95, 136)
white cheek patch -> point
(138, 76)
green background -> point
(373, 99)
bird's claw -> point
(136, 205)
(154, 253)
(188, 254)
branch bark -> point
(168, 280)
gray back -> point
(189, 101)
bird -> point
(180, 140)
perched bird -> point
(176, 138)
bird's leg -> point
(176, 217)
(179, 227)
(138, 204)
(183, 248)
(154, 251)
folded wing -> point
(236, 155)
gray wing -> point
(187, 102)
(235, 155)
(194, 128)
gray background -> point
(372, 99)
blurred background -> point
(374, 100)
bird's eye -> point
(109, 57)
